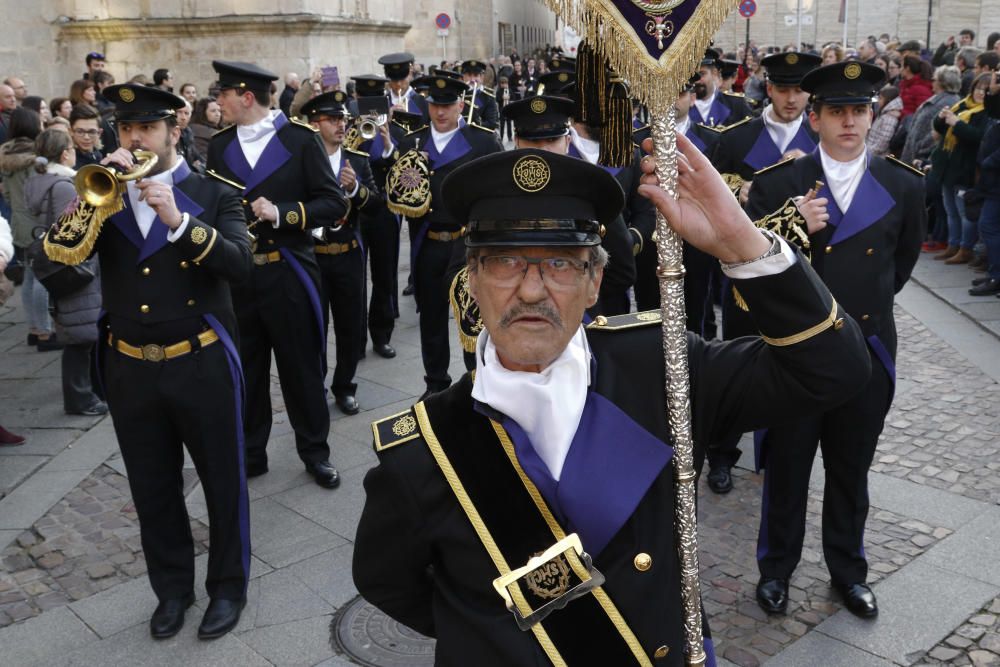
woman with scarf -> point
(961, 128)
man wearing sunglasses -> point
(558, 446)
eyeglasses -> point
(510, 270)
(85, 133)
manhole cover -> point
(371, 638)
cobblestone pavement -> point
(944, 427)
(88, 542)
(727, 534)
(976, 642)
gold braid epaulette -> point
(789, 224)
(734, 182)
(395, 430)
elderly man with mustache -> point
(557, 446)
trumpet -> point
(368, 126)
(101, 194)
(101, 186)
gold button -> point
(245, 202)
(270, 242)
(143, 308)
(431, 172)
(870, 252)
(661, 652)
(839, 324)
(866, 316)
(643, 562)
(190, 302)
(145, 271)
(600, 320)
(602, 231)
(184, 264)
(829, 249)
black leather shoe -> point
(859, 600)
(95, 410)
(976, 282)
(384, 350)
(720, 479)
(324, 473)
(168, 619)
(986, 288)
(256, 469)
(408, 290)
(347, 404)
(772, 595)
(50, 344)
(220, 617)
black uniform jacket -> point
(727, 109)
(487, 113)
(155, 291)
(293, 173)
(866, 258)
(469, 143)
(367, 198)
(418, 558)
(746, 147)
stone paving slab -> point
(30, 500)
(338, 512)
(973, 551)
(329, 575)
(834, 653)
(42, 442)
(43, 639)
(15, 469)
(298, 643)
(905, 629)
(934, 506)
(976, 641)
(283, 537)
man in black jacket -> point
(559, 444)
(170, 364)
(863, 226)
(288, 188)
(340, 250)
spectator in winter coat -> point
(988, 186)
(915, 84)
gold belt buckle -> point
(260, 260)
(153, 352)
(548, 582)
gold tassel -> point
(616, 132)
(741, 303)
(71, 240)
(655, 81)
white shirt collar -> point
(441, 139)
(589, 149)
(335, 159)
(781, 133)
(843, 177)
(705, 109)
(547, 405)
(143, 212)
(683, 124)
(254, 137)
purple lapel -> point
(720, 112)
(157, 237)
(636, 124)
(802, 140)
(456, 148)
(412, 106)
(275, 154)
(236, 161)
(871, 202)
(763, 153)
(124, 220)
(610, 466)
(695, 139)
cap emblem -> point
(126, 95)
(538, 105)
(852, 71)
(339, 96)
(441, 83)
(371, 84)
(563, 77)
(531, 173)
(792, 58)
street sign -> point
(442, 21)
(748, 8)
(442, 32)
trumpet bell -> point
(96, 185)
(367, 129)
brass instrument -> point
(472, 105)
(368, 126)
(100, 191)
(353, 140)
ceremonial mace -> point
(656, 46)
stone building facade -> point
(45, 41)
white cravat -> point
(441, 139)
(254, 137)
(843, 177)
(589, 149)
(335, 161)
(144, 214)
(547, 405)
(683, 124)
(781, 133)
(705, 109)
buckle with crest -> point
(548, 582)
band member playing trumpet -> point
(170, 364)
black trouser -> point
(431, 279)
(343, 298)
(275, 313)
(380, 232)
(77, 387)
(698, 287)
(157, 408)
(847, 436)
